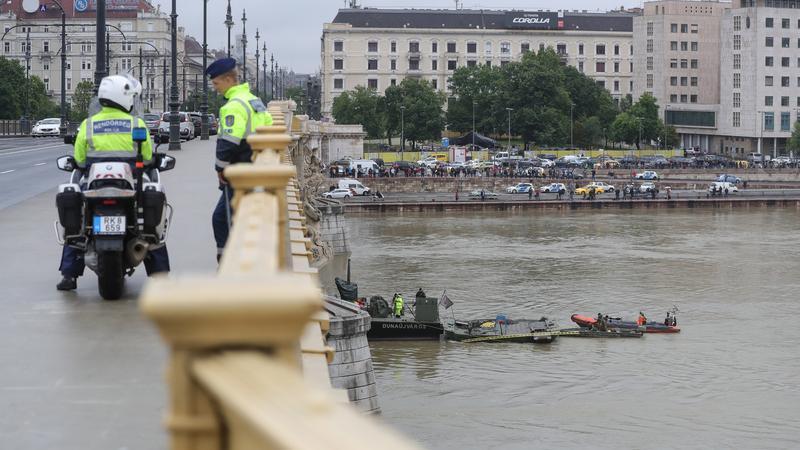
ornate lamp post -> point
(229, 25)
(244, 46)
(174, 101)
(204, 104)
(264, 66)
(257, 55)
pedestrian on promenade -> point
(616, 193)
(593, 174)
(530, 194)
(483, 195)
(537, 192)
(669, 193)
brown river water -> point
(730, 379)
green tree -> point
(588, 132)
(424, 116)
(588, 97)
(646, 109)
(41, 106)
(296, 93)
(392, 101)
(625, 128)
(793, 144)
(361, 106)
(84, 92)
(475, 89)
(12, 75)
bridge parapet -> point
(248, 364)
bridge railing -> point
(248, 361)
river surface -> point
(730, 379)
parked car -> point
(152, 120)
(354, 186)
(606, 187)
(187, 130)
(338, 193)
(729, 178)
(486, 194)
(430, 161)
(647, 175)
(598, 189)
(723, 186)
(647, 187)
(554, 188)
(521, 188)
(46, 127)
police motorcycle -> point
(114, 213)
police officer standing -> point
(239, 118)
(106, 136)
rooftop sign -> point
(534, 20)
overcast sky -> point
(292, 29)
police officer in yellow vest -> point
(239, 118)
(106, 136)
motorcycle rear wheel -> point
(110, 275)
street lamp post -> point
(474, 103)
(174, 102)
(402, 130)
(26, 122)
(244, 46)
(204, 104)
(571, 122)
(62, 130)
(264, 66)
(100, 34)
(272, 77)
(229, 25)
(257, 55)
(509, 127)
(639, 120)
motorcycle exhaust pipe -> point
(136, 251)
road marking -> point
(31, 150)
(7, 171)
(39, 164)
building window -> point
(601, 83)
(693, 64)
(393, 47)
(694, 28)
(580, 49)
(451, 47)
(393, 64)
(768, 100)
(372, 83)
(435, 65)
(769, 121)
(737, 23)
(684, 98)
(673, 81)
(616, 67)
(684, 46)
(524, 47)
(69, 84)
(413, 64)
(649, 63)
(768, 41)
(452, 64)
(737, 119)
(600, 67)
(505, 48)
(673, 98)
(580, 66)
(372, 46)
(600, 49)
(649, 46)
(503, 63)
(684, 81)
(338, 83)
(45, 66)
(785, 61)
(413, 47)
(785, 100)
(435, 83)
(785, 121)
(488, 63)
(693, 81)
(768, 61)
(649, 81)
(541, 46)
(694, 46)
(393, 82)
(684, 63)
(616, 86)
(785, 82)
(561, 49)
(338, 46)
(684, 28)
(737, 61)
(693, 98)
(649, 28)
(7, 47)
(46, 46)
(785, 22)
(769, 22)
(737, 81)
(338, 64)
(472, 47)
(737, 100)
(786, 42)
(737, 42)
(487, 48)
(673, 45)
(768, 80)
(616, 49)
(673, 28)
(434, 47)
(46, 82)
(472, 63)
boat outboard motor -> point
(379, 307)
(347, 291)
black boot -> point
(67, 284)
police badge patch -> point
(229, 119)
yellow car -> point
(598, 189)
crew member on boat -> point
(420, 293)
(397, 303)
(642, 320)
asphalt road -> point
(79, 372)
(28, 168)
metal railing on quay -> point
(248, 365)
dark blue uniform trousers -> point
(72, 263)
(219, 220)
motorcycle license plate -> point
(109, 225)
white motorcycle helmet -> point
(119, 90)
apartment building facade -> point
(378, 48)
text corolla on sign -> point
(537, 20)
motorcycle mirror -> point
(69, 139)
(66, 163)
(166, 162)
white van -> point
(354, 185)
(501, 155)
(364, 165)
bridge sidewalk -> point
(78, 372)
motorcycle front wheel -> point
(110, 275)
